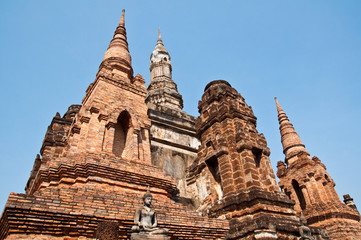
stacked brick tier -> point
(83, 168)
(79, 216)
(75, 193)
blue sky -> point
(307, 53)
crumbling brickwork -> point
(54, 141)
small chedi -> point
(211, 176)
(146, 221)
(306, 181)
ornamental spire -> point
(291, 142)
(162, 90)
(118, 52)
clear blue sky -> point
(307, 53)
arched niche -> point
(122, 134)
(299, 194)
(213, 166)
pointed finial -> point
(278, 105)
(121, 22)
(291, 142)
(159, 42)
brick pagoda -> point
(210, 177)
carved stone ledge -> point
(75, 129)
(216, 153)
(84, 119)
(94, 110)
(110, 125)
(103, 117)
(241, 146)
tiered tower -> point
(173, 137)
(96, 166)
(307, 182)
(162, 90)
(233, 173)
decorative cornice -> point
(75, 129)
(110, 125)
(134, 88)
(103, 117)
(173, 144)
(251, 197)
(221, 116)
(176, 127)
(94, 110)
(84, 119)
(56, 175)
(251, 146)
(158, 64)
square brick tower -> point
(234, 159)
(96, 166)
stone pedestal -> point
(145, 236)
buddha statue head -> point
(147, 198)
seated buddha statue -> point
(145, 218)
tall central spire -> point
(117, 54)
(162, 90)
(291, 142)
